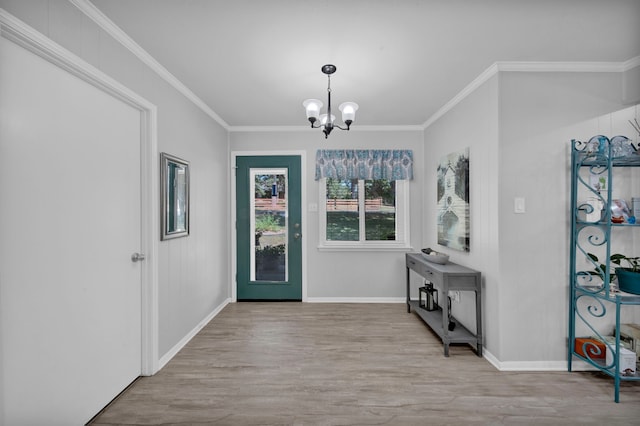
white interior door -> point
(70, 296)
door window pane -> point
(269, 225)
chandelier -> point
(327, 121)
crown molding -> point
(249, 129)
(365, 128)
(16, 30)
(91, 11)
(86, 7)
(559, 66)
(469, 88)
(523, 66)
(631, 63)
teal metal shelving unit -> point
(593, 297)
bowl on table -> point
(434, 256)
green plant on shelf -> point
(632, 264)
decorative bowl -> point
(435, 257)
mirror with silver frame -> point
(174, 187)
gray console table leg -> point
(479, 323)
(445, 316)
(408, 291)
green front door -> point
(268, 228)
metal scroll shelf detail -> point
(593, 295)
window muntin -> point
(358, 213)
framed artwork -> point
(453, 200)
(174, 187)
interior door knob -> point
(137, 257)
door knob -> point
(137, 257)
(297, 235)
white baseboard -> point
(181, 344)
(577, 365)
(356, 300)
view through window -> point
(358, 209)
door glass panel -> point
(269, 225)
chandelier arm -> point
(341, 128)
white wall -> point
(343, 275)
(472, 123)
(519, 126)
(537, 111)
(631, 85)
(193, 271)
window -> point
(362, 206)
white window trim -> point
(402, 242)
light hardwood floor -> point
(353, 364)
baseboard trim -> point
(164, 360)
(577, 365)
(356, 300)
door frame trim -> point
(232, 213)
(15, 30)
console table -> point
(447, 277)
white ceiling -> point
(253, 62)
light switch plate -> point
(518, 205)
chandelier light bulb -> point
(323, 119)
(313, 107)
(348, 110)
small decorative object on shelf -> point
(434, 256)
(598, 291)
(591, 348)
(630, 333)
(620, 212)
(430, 293)
(621, 146)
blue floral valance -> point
(391, 164)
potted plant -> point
(629, 276)
(627, 273)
